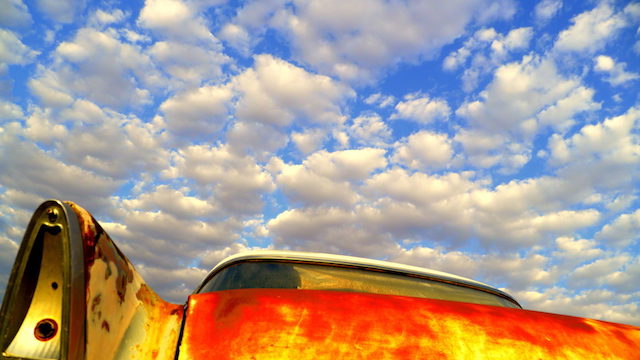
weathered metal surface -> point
(42, 312)
(38, 333)
(125, 319)
(311, 324)
(73, 295)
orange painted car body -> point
(314, 324)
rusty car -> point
(72, 294)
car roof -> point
(344, 260)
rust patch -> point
(119, 292)
(95, 302)
(98, 245)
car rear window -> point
(285, 275)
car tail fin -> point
(72, 294)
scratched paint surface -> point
(312, 324)
(125, 319)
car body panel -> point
(106, 311)
(316, 324)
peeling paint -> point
(125, 318)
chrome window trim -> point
(352, 261)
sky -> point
(496, 140)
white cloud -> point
(517, 92)
(424, 150)
(175, 202)
(516, 39)
(324, 177)
(236, 181)
(34, 171)
(547, 9)
(616, 72)
(187, 156)
(487, 50)
(597, 303)
(274, 95)
(302, 185)
(115, 145)
(512, 270)
(134, 37)
(418, 188)
(487, 149)
(327, 178)
(621, 202)
(352, 165)
(212, 257)
(560, 115)
(380, 100)
(452, 208)
(572, 252)
(250, 22)
(176, 20)
(591, 30)
(259, 139)
(101, 18)
(622, 231)
(326, 229)
(277, 92)
(14, 13)
(175, 284)
(148, 234)
(523, 99)
(63, 11)
(102, 141)
(97, 66)
(13, 51)
(479, 39)
(369, 129)
(10, 111)
(599, 269)
(610, 140)
(197, 113)
(237, 37)
(201, 65)
(422, 109)
(42, 128)
(308, 141)
(346, 39)
(50, 88)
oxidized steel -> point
(73, 295)
(125, 319)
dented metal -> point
(72, 294)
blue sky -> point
(497, 140)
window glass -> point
(283, 275)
